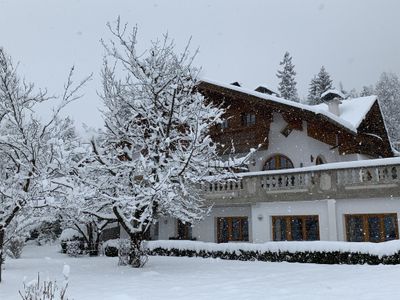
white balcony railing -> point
(368, 174)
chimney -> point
(333, 106)
(333, 99)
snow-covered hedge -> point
(71, 236)
(112, 247)
(320, 252)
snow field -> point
(196, 278)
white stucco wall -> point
(262, 214)
(298, 147)
(330, 215)
(167, 228)
(205, 230)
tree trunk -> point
(136, 255)
(2, 232)
(92, 243)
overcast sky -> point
(239, 40)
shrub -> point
(110, 248)
(124, 248)
(14, 247)
(74, 248)
(71, 235)
(111, 251)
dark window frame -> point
(278, 161)
(183, 230)
(319, 160)
(243, 236)
(366, 228)
(289, 220)
(224, 124)
(249, 119)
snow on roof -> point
(352, 111)
(333, 91)
(266, 87)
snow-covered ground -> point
(196, 278)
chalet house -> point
(322, 172)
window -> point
(295, 228)
(287, 130)
(319, 160)
(232, 229)
(371, 227)
(184, 230)
(248, 119)
(225, 124)
(278, 162)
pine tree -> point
(287, 86)
(313, 91)
(319, 84)
(388, 92)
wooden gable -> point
(371, 138)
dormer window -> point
(248, 119)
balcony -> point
(357, 179)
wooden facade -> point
(370, 139)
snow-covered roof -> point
(333, 91)
(352, 111)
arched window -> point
(277, 162)
(320, 160)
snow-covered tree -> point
(78, 211)
(367, 90)
(348, 94)
(156, 151)
(287, 85)
(388, 92)
(34, 154)
(313, 91)
(318, 85)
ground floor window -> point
(184, 230)
(232, 229)
(371, 227)
(295, 228)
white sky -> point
(239, 40)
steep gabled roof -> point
(352, 111)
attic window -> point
(248, 119)
(287, 130)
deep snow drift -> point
(197, 278)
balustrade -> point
(297, 179)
